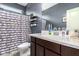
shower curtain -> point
(14, 30)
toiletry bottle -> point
(49, 29)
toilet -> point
(23, 48)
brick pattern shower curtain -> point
(14, 30)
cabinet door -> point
(33, 39)
(39, 50)
(32, 49)
(68, 51)
(50, 53)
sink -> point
(55, 33)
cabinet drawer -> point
(68, 51)
(50, 45)
(33, 39)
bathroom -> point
(24, 25)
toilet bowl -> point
(23, 47)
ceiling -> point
(47, 5)
(23, 4)
(44, 5)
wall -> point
(36, 9)
(57, 12)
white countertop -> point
(66, 41)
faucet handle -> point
(67, 32)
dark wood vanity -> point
(40, 47)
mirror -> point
(56, 15)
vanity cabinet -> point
(32, 49)
(49, 45)
(68, 51)
(33, 46)
(39, 50)
(50, 53)
(41, 47)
